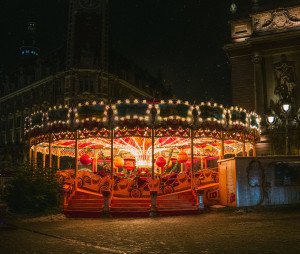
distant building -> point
(83, 69)
(264, 55)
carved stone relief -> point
(276, 20)
(285, 78)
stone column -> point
(258, 84)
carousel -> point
(134, 147)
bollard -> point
(106, 196)
(153, 208)
(200, 194)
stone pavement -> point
(260, 231)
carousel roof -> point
(137, 118)
(132, 123)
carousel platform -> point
(86, 204)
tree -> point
(34, 189)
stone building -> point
(84, 68)
(264, 55)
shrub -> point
(34, 190)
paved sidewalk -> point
(263, 231)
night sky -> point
(183, 38)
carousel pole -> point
(35, 154)
(192, 158)
(201, 150)
(44, 158)
(235, 149)
(76, 158)
(96, 160)
(244, 145)
(247, 149)
(222, 145)
(152, 156)
(195, 118)
(58, 158)
(50, 151)
(254, 148)
(153, 192)
(30, 152)
(110, 122)
(112, 153)
(153, 115)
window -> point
(3, 138)
(10, 123)
(31, 26)
(86, 85)
(17, 136)
(18, 121)
(67, 87)
(3, 124)
(10, 136)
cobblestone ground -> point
(267, 231)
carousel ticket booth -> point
(140, 156)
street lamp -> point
(288, 117)
(274, 120)
(286, 108)
(271, 118)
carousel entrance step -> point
(127, 209)
(129, 205)
(177, 203)
(84, 204)
(131, 200)
(124, 206)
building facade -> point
(84, 68)
(264, 55)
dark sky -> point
(183, 38)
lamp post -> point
(274, 120)
(286, 108)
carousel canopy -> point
(131, 124)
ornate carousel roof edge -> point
(142, 114)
